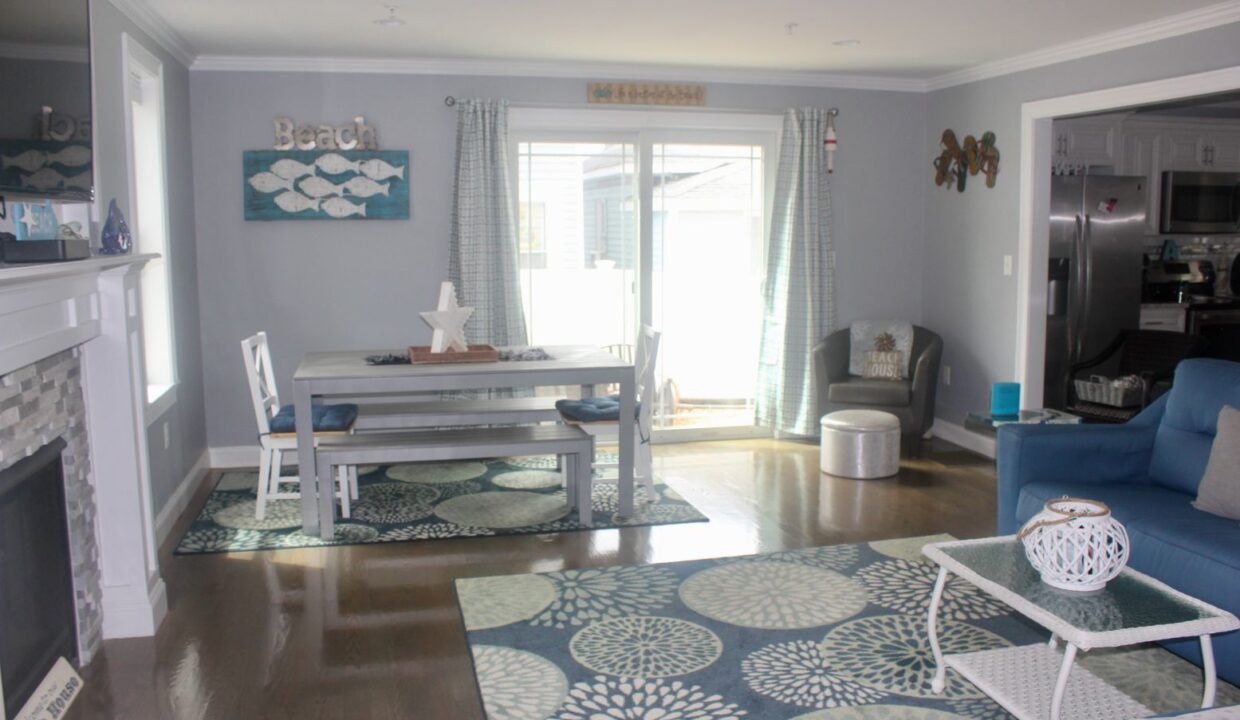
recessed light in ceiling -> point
(391, 20)
(848, 42)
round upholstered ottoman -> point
(860, 444)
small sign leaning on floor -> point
(52, 699)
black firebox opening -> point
(37, 615)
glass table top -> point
(1127, 602)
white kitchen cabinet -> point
(1086, 142)
(1163, 316)
(1224, 152)
(1184, 150)
(1140, 157)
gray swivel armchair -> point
(911, 400)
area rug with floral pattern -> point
(424, 501)
(828, 633)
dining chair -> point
(277, 432)
(600, 416)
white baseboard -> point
(128, 612)
(176, 504)
(967, 439)
(235, 456)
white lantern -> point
(1075, 544)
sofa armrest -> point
(1098, 454)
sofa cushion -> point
(1182, 446)
(1219, 492)
(1128, 501)
(323, 418)
(860, 391)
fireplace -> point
(37, 608)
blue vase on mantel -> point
(116, 237)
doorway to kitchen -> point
(1036, 161)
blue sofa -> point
(1147, 471)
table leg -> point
(628, 413)
(327, 496)
(1053, 643)
(940, 668)
(1207, 669)
(308, 477)
(587, 391)
(1061, 683)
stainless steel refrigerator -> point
(1097, 239)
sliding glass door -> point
(659, 226)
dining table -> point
(323, 375)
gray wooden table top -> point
(352, 364)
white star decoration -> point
(448, 321)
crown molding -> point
(53, 53)
(1172, 26)
(555, 69)
(154, 25)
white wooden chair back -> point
(262, 380)
(645, 360)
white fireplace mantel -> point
(94, 304)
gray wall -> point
(967, 298)
(320, 285)
(186, 419)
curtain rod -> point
(450, 101)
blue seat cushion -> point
(324, 418)
(594, 409)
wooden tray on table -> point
(422, 355)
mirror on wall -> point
(45, 103)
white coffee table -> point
(1133, 608)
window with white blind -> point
(148, 217)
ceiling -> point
(911, 39)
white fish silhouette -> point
(334, 164)
(341, 208)
(318, 187)
(364, 187)
(81, 181)
(266, 182)
(29, 161)
(376, 169)
(71, 156)
(44, 179)
(291, 169)
(294, 202)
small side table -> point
(984, 422)
(1133, 608)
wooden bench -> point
(449, 413)
(574, 447)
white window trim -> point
(135, 56)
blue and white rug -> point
(424, 501)
(831, 633)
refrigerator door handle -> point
(1074, 296)
(1087, 273)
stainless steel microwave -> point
(1200, 202)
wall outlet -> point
(167, 437)
(1007, 264)
(947, 374)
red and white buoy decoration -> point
(830, 140)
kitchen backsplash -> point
(1218, 249)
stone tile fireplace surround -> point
(39, 403)
(71, 367)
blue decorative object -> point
(1005, 399)
(323, 418)
(116, 237)
(331, 184)
(35, 221)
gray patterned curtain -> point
(799, 297)
(482, 258)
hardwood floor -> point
(372, 631)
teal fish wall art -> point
(326, 184)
